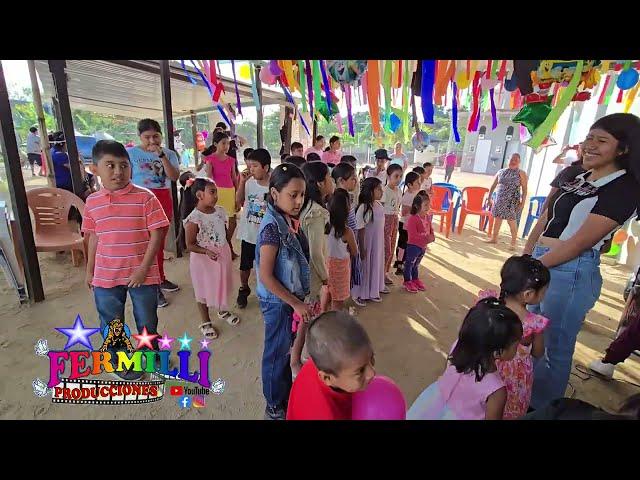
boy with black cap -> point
(382, 157)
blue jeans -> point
(276, 369)
(412, 258)
(110, 304)
(574, 289)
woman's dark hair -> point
(327, 149)
(333, 139)
(342, 170)
(418, 200)
(281, 176)
(393, 167)
(366, 194)
(520, 273)
(427, 165)
(147, 124)
(314, 172)
(33, 129)
(221, 125)
(296, 160)
(350, 159)
(246, 152)
(318, 138)
(57, 140)
(184, 176)
(338, 212)
(215, 138)
(190, 199)
(624, 127)
(489, 327)
(411, 177)
(419, 170)
(313, 157)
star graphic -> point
(205, 343)
(185, 341)
(78, 334)
(165, 342)
(144, 339)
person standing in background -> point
(450, 162)
(34, 150)
(334, 154)
(398, 157)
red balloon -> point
(382, 400)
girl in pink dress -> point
(370, 235)
(223, 170)
(524, 282)
(470, 387)
(210, 257)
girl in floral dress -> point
(524, 282)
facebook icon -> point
(184, 402)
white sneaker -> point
(604, 369)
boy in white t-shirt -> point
(252, 196)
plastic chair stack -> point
(474, 202)
(531, 216)
(50, 207)
(440, 198)
(456, 197)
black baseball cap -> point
(381, 154)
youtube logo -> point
(176, 390)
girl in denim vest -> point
(282, 258)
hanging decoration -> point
(310, 87)
(347, 95)
(386, 87)
(317, 89)
(454, 113)
(287, 94)
(303, 85)
(347, 72)
(235, 81)
(373, 92)
(420, 140)
(254, 90)
(426, 92)
(327, 87)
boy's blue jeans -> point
(412, 258)
(276, 368)
(574, 289)
(110, 304)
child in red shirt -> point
(420, 234)
(341, 364)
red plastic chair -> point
(474, 200)
(50, 207)
(441, 196)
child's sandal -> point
(229, 317)
(208, 331)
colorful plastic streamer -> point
(303, 85)
(347, 96)
(373, 91)
(405, 101)
(317, 89)
(386, 87)
(494, 115)
(454, 113)
(631, 97)
(287, 94)
(254, 90)
(543, 130)
(426, 92)
(235, 81)
(327, 87)
(475, 113)
(307, 68)
(604, 89)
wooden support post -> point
(42, 125)
(57, 68)
(13, 169)
(165, 85)
(194, 133)
(288, 123)
(259, 133)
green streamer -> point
(303, 85)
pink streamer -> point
(338, 119)
(364, 88)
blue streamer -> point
(327, 88)
(235, 81)
(494, 116)
(307, 69)
(454, 113)
(206, 84)
(426, 93)
(191, 79)
(203, 77)
(287, 94)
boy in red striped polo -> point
(125, 226)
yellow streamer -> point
(631, 97)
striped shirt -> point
(122, 220)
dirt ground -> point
(411, 332)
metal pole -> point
(26, 243)
(315, 131)
(288, 113)
(259, 133)
(42, 125)
(194, 133)
(57, 68)
(165, 86)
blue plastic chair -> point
(533, 216)
(456, 198)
